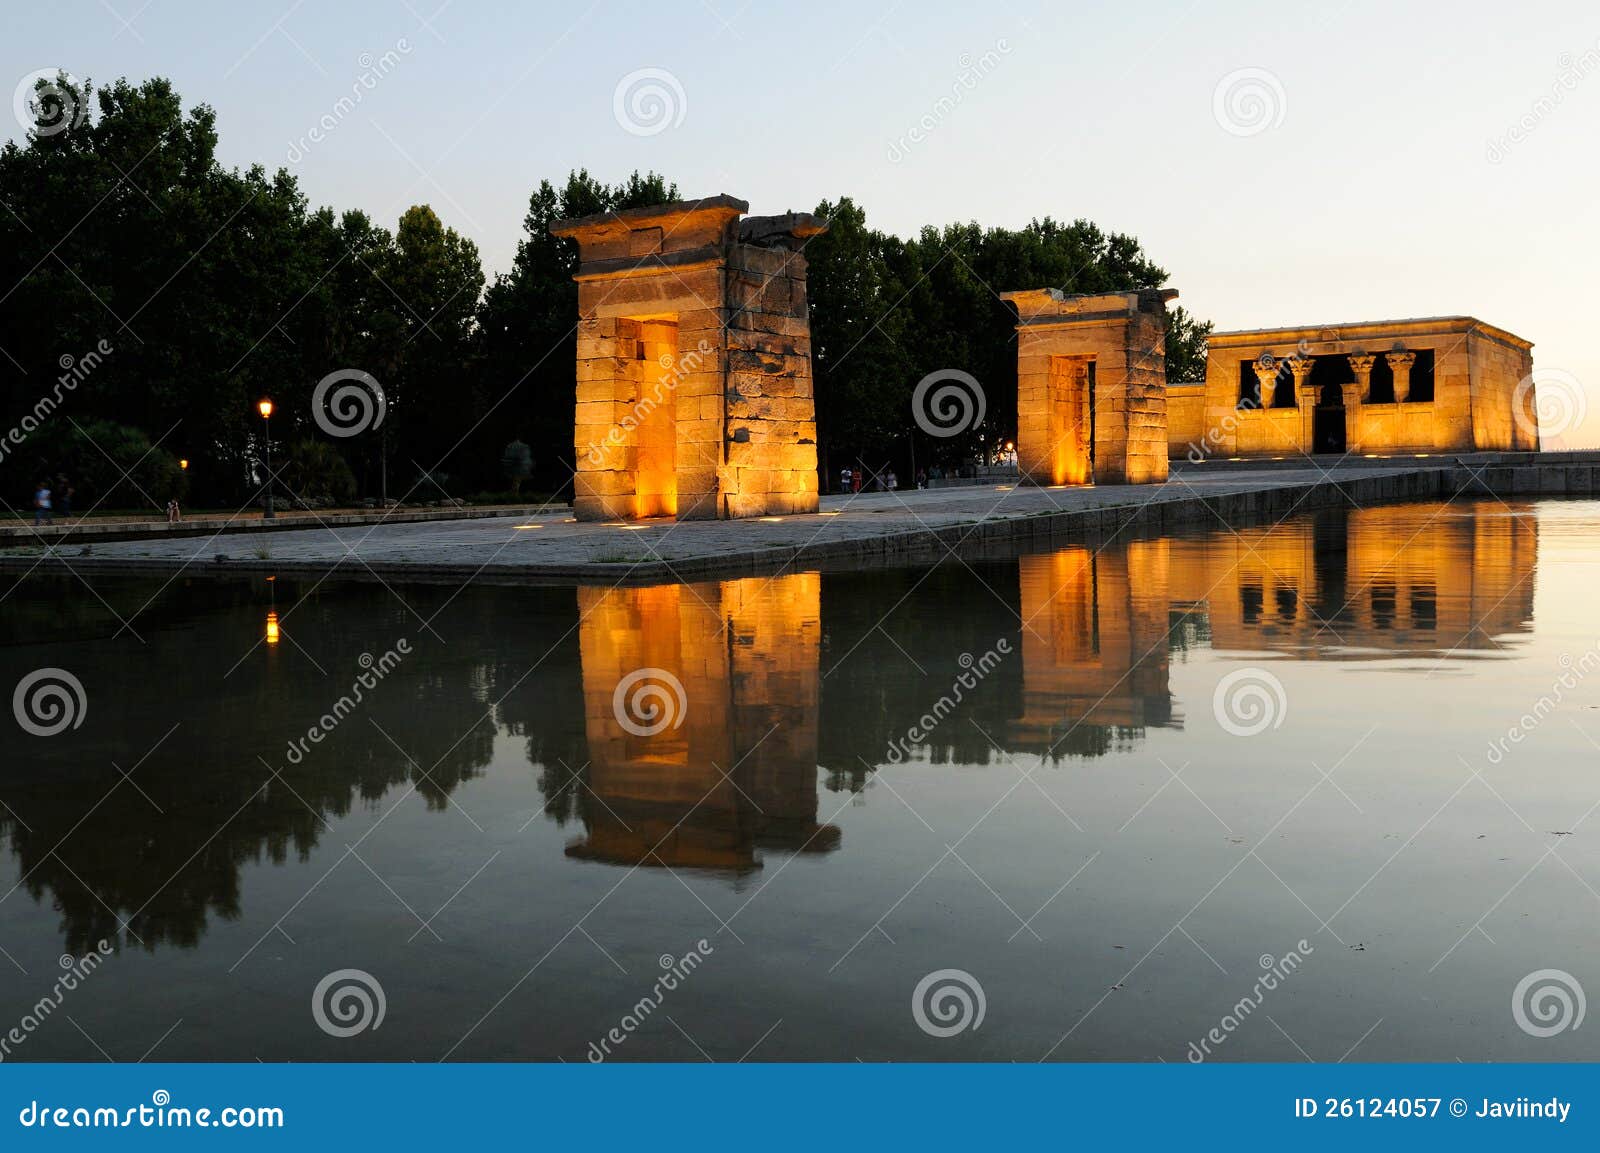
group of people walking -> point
(859, 480)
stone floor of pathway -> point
(555, 541)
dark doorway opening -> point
(1327, 421)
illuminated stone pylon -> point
(694, 363)
(1091, 386)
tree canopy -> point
(154, 295)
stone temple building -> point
(1441, 384)
(694, 363)
(1091, 386)
(695, 392)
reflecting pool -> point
(1288, 792)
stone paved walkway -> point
(867, 525)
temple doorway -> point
(651, 380)
(1327, 421)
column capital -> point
(1400, 358)
(1301, 366)
(1362, 362)
(1266, 369)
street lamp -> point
(265, 408)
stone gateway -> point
(694, 363)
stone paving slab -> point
(926, 525)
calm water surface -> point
(1044, 772)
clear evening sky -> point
(1286, 163)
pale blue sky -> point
(1368, 192)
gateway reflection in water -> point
(487, 800)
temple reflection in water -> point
(729, 766)
(792, 685)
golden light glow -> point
(772, 519)
(522, 526)
(184, 463)
(264, 407)
(272, 628)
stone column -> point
(1361, 364)
(1401, 363)
(1266, 366)
(1306, 396)
(1355, 394)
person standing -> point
(844, 480)
(41, 503)
(63, 496)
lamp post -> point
(265, 408)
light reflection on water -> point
(1075, 826)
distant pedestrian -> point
(42, 509)
(844, 480)
(891, 482)
(173, 515)
(855, 482)
(63, 496)
(922, 478)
